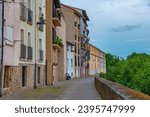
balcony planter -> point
(58, 41)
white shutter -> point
(10, 33)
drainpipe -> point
(35, 70)
(1, 65)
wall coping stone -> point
(119, 90)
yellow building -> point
(55, 52)
(97, 61)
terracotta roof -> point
(72, 8)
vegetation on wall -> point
(58, 41)
(134, 71)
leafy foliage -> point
(58, 41)
(133, 72)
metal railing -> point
(23, 51)
(56, 14)
(41, 54)
(30, 53)
(23, 12)
(30, 15)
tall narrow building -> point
(84, 40)
(72, 18)
(24, 45)
(55, 42)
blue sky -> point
(119, 27)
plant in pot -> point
(58, 41)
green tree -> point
(133, 72)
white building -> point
(70, 59)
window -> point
(39, 80)
(40, 44)
(75, 60)
(24, 73)
(78, 61)
(10, 33)
(22, 36)
(40, 12)
(67, 62)
(75, 48)
(67, 47)
(75, 37)
(71, 73)
(29, 4)
(78, 48)
(29, 39)
(75, 23)
(7, 77)
(71, 62)
(72, 48)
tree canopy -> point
(134, 71)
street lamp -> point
(41, 22)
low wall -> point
(113, 91)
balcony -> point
(75, 23)
(41, 54)
(56, 17)
(83, 46)
(30, 53)
(23, 51)
(41, 26)
(78, 26)
(30, 16)
(22, 12)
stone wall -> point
(13, 77)
(114, 91)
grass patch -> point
(50, 92)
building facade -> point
(61, 32)
(97, 63)
(72, 17)
(102, 62)
(55, 42)
(24, 61)
(84, 40)
(70, 66)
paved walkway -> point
(74, 89)
(79, 89)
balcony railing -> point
(56, 17)
(23, 12)
(83, 46)
(30, 53)
(41, 26)
(75, 23)
(56, 14)
(23, 51)
(30, 16)
(41, 54)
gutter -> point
(2, 50)
(35, 70)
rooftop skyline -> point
(117, 27)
